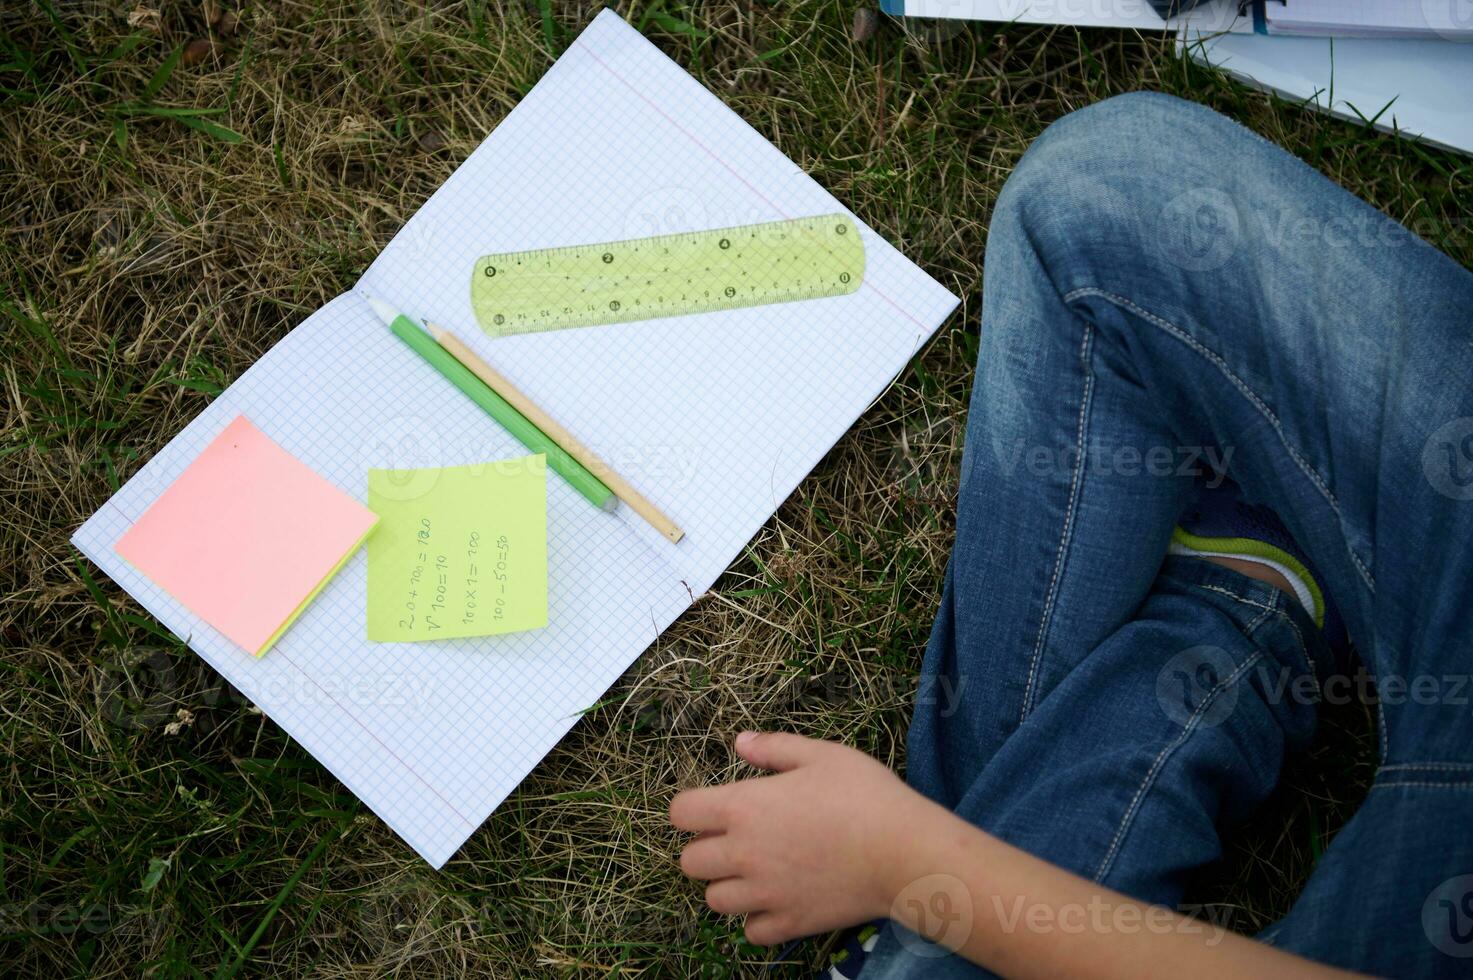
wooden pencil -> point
(553, 430)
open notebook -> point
(1413, 86)
(715, 417)
(1449, 20)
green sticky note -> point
(459, 550)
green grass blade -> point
(229, 970)
(161, 76)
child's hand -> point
(805, 851)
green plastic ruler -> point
(670, 275)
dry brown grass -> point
(146, 263)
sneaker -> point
(1221, 524)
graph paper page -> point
(716, 417)
(431, 735)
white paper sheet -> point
(715, 417)
(1213, 15)
(1426, 82)
(1425, 87)
(1372, 18)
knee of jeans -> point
(1137, 129)
(1115, 157)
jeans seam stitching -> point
(1258, 621)
(1303, 653)
(1075, 482)
(1424, 784)
(1281, 613)
(1240, 598)
(1383, 737)
(1166, 752)
(1243, 386)
(1443, 766)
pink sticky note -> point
(246, 536)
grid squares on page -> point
(430, 735)
(715, 417)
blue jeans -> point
(1165, 294)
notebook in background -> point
(715, 417)
(1413, 87)
(1409, 87)
(1430, 19)
(1143, 15)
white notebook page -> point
(1207, 17)
(1368, 18)
(715, 417)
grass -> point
(171, 209)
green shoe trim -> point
(1253, 548)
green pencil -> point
(513, 421)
